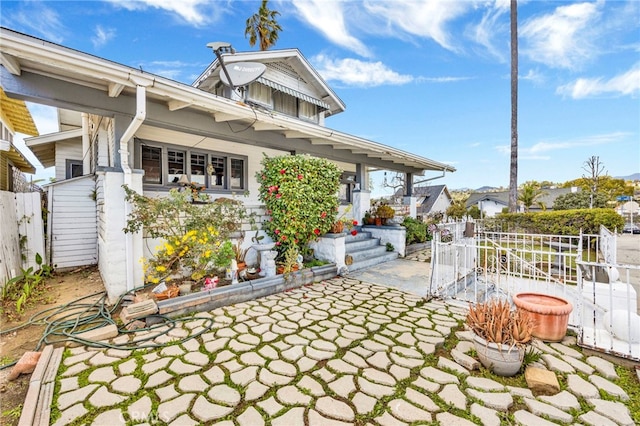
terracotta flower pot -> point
(337, 227)
(550, 313)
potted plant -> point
(240, 254)
(550, 313)
(368, 218)
(289, 262)
(501, 334)
(385, 212)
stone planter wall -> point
(244, 291)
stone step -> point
(361, 235)
(365, 253)
(356, 245)
(372, 261)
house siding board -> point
(66, 151)
(73, 223)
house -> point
(492, 203)
(430, 199)
(124, 126)
(14, 118)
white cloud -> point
(625, 84)
(427, 18)
(37, 18)
(328, 17)
(592, 140)
(354, 72)
(194, 12)
(102, 36)
(491, 28)
(564, 38)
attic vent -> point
(286, 70)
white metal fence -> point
(581, 269)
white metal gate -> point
(581, 269)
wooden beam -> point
(263, 127)
(115, 89)
(293, 134)
(10, 63)
(221, 116)
(318, 141)
(175, 105)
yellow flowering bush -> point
(198, 252)
(193, 247)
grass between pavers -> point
(627, 380)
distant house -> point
(430, 199)
(492, 203)
(14, 118)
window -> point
(347, 183)
(152, 164)
(73, 169)
(260, 93)
(217, 171)
(237, 174)
(308, 111)
(175, 165)
(285, 104)
(198, 166)
(165, 165)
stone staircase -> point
(366, 251)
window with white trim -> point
(164, 165)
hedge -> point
(562, 222)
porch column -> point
(412, 202)
(361, 201)
(409, 199)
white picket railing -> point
(581, 269)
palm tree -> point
(263, 26)
(513, 171)
(529, 194)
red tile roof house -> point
(121, 125)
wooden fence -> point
(21, 233)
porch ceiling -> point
(20, 53)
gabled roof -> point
(302, 80)
(108, 82)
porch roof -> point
(23, 53)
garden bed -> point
(244, 291)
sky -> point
(428, 77)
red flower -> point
(284, 237)
(300, 177)
(354, 232)
(278, 243)
(316, 231)
(355, 223)
(282, 171)
(277, 231)
(278, 195)
(323, 215)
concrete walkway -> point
(340, 352)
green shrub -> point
(416, 230)
(562, 222)
(299, 193)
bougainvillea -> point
(300, 195)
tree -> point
(457, 210)
(474, 212)
(513, 169)
(594, 168)
(264, 27)
(579, 200)
(607, 185)
(530, 192)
